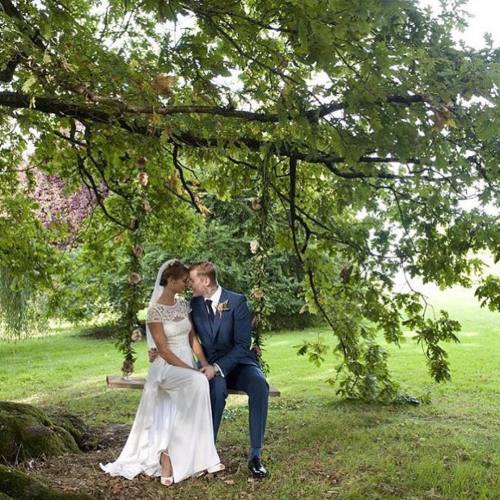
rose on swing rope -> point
(134, 278)
(136, 335)
(142, 178)
(258, 293)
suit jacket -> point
(227, 340)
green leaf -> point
(29, 83)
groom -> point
(223, 323)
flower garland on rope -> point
(260, 249)
(132, 294)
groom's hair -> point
(205, 268)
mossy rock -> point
(16, 484)
(28, 432)
(77, 428)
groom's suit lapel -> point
(219, 315)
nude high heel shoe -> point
(165, 459)
(216, 468)
(211, 470)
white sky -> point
(485, 18)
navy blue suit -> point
(226, 341)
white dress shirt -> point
(215, 298)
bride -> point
(172, 434)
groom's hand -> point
(209, 371)
(152, 354)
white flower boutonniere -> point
(223, 307)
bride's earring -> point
(166, 480)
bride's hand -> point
(152, 354)
(208, 371)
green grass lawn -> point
(317, 446)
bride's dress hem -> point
(119, 470)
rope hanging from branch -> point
(261, 249)
(132, 296)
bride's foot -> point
(216, 468)
(166, 478)
(211, 470)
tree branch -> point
(7, 74)
(179, 169)
(56, 106)
(331, 233)
(292, 192)
(98, 114)
(101, 165)
(227, 112)
(11, 10)
(89, 181)
(407, 100)
(317, 301)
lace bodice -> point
(176, 326)
(159, 313)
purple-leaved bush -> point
(55, 206)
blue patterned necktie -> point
(211, 315)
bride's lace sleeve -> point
(154, 314)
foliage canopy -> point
(357, 128)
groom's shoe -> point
(256, 468)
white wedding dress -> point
(174, 413)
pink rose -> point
(136, 335)
(256, 205)
(254, 246)
(143, 178)
(138, 251)
(147, 206)
(134, 278)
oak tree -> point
(363, 137)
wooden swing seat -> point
(117, 382)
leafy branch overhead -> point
(379, 135)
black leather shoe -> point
(256, 468)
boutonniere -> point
(223, 307)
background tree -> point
(375, 131)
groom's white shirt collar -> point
(215, 298)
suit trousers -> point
(251, 380)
